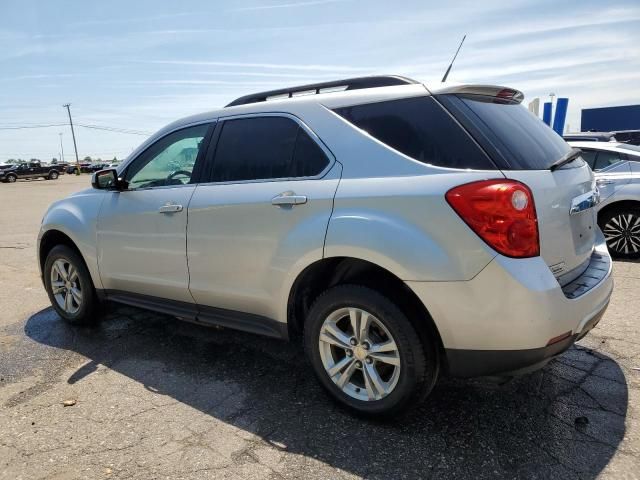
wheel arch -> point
(619, 204)
(332, 271)
(52, 238)
(57, 236)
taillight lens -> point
(501, 212)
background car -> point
(590, 136)
(29, 170)
(617, 171)
(628, 136)
(96, 167)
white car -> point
(617, 170)
(398, 231)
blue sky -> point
(141, 64)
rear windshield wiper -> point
(567, 158)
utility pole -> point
(61, 149)
(75, 147)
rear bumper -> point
(476, 363)
(502, 320)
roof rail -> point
(315, 88)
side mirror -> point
(106, 180)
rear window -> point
(421, 129)
(515, 138)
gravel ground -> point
(157, 398)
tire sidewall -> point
(11, 178)
(84, 314)
(411, 352)
(53, 176)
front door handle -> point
(288, 198)
(170, 208)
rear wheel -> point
(69, 286)
(621, 228)
(53, 175)
(366, 352)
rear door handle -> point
(288, 199)
(170, 208)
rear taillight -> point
(501, 212)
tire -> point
(11, 178)
(404, 385)
(81, 312)
(621, 228)
(53, 175)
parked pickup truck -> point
(29, 170)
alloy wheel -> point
(359, 354)
(622, 233)
(65, 286)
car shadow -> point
(565, 421)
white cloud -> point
(308, 3)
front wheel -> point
(69, 286)
(366, 353)
(11, 178)
(621, 228)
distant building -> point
(607, 119)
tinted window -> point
(265, 148)
(419, 128)
(169, 161)
(589, 156)
(308, 158)
(517, 139)
(606, 159)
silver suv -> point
(399, 232)
(617, 170)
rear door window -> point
(421, 129)
(606, 158)
(261, 148)
(514, 137)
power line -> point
(115, 129)
(20, 127)
(93, 127)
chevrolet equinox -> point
(400, 232)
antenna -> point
(446, 74)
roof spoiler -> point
(504, 94)
(325, 87)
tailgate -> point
(525, 149)
(566, 239)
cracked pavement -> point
(159, 398)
